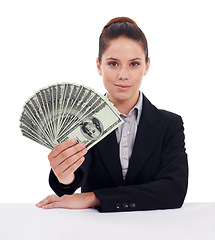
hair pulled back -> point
(121, 26)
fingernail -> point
(82, 145)
(84, 151)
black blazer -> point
(157, 176)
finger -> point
(41, 202)
(47, 200)
(53, 205)
(69, 152)
(62, 202)
(66, 154)
(62, 146)
(69, 161)
(72, 168)
(66, 176)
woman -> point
(140, 166)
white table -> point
(27, 222)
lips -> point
(123, 87)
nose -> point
(123, 74)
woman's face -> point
(122, 67)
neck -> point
(125, 106)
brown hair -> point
(121, 26)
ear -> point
(147, 67)
(98, 66)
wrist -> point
(93, 200)
(67, 183)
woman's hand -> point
(74, 201)
(65, 158)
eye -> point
(135, 64)
(113, 64)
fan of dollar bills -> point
(68, 110)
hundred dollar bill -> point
(94, 126)
(68, 110)
(29, 132)
(31, 119)
(76, 115)
(74, 92)
(81, 100)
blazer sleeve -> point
(168, 188)
(61, 189)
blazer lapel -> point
(148, 132)
(109, 152)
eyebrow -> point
(115, 59)
(110, 58)
(135, 59)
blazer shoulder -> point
(167, 115)
(163, 115)
(172, 123)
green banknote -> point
(68, 110)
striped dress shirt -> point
(126, 134)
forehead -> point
(124, 47)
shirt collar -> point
(137, 109)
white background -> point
(46, 42)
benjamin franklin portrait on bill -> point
(91, 128)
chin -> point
(123, 98)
